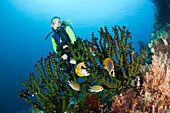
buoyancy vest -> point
(62, 36)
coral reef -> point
(160, 40)
(105, 75)
(50, 92)
(156, 87)
(125, 102)
(51, 89)
(160, 37)
(149, 94)
(126, 63)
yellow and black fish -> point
(108, 65)
(80, 71)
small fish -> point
(65, 46)
(108, 65)
(81, 72)
(74, 85)
(73, 61)
(64, 57)
(96, 88)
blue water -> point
(24, 25)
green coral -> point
(51, 89)
(127, 63)
(48, 88)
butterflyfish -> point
(108, 65)
(80, 71)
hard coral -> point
(125, 102)
(50, 89)
(126, 63)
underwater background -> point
(24, 24)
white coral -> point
(156, 80)
(159, 74)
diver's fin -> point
(48, 35)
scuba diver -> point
(62, 34)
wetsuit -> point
(61, 37)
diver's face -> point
(55, 23)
